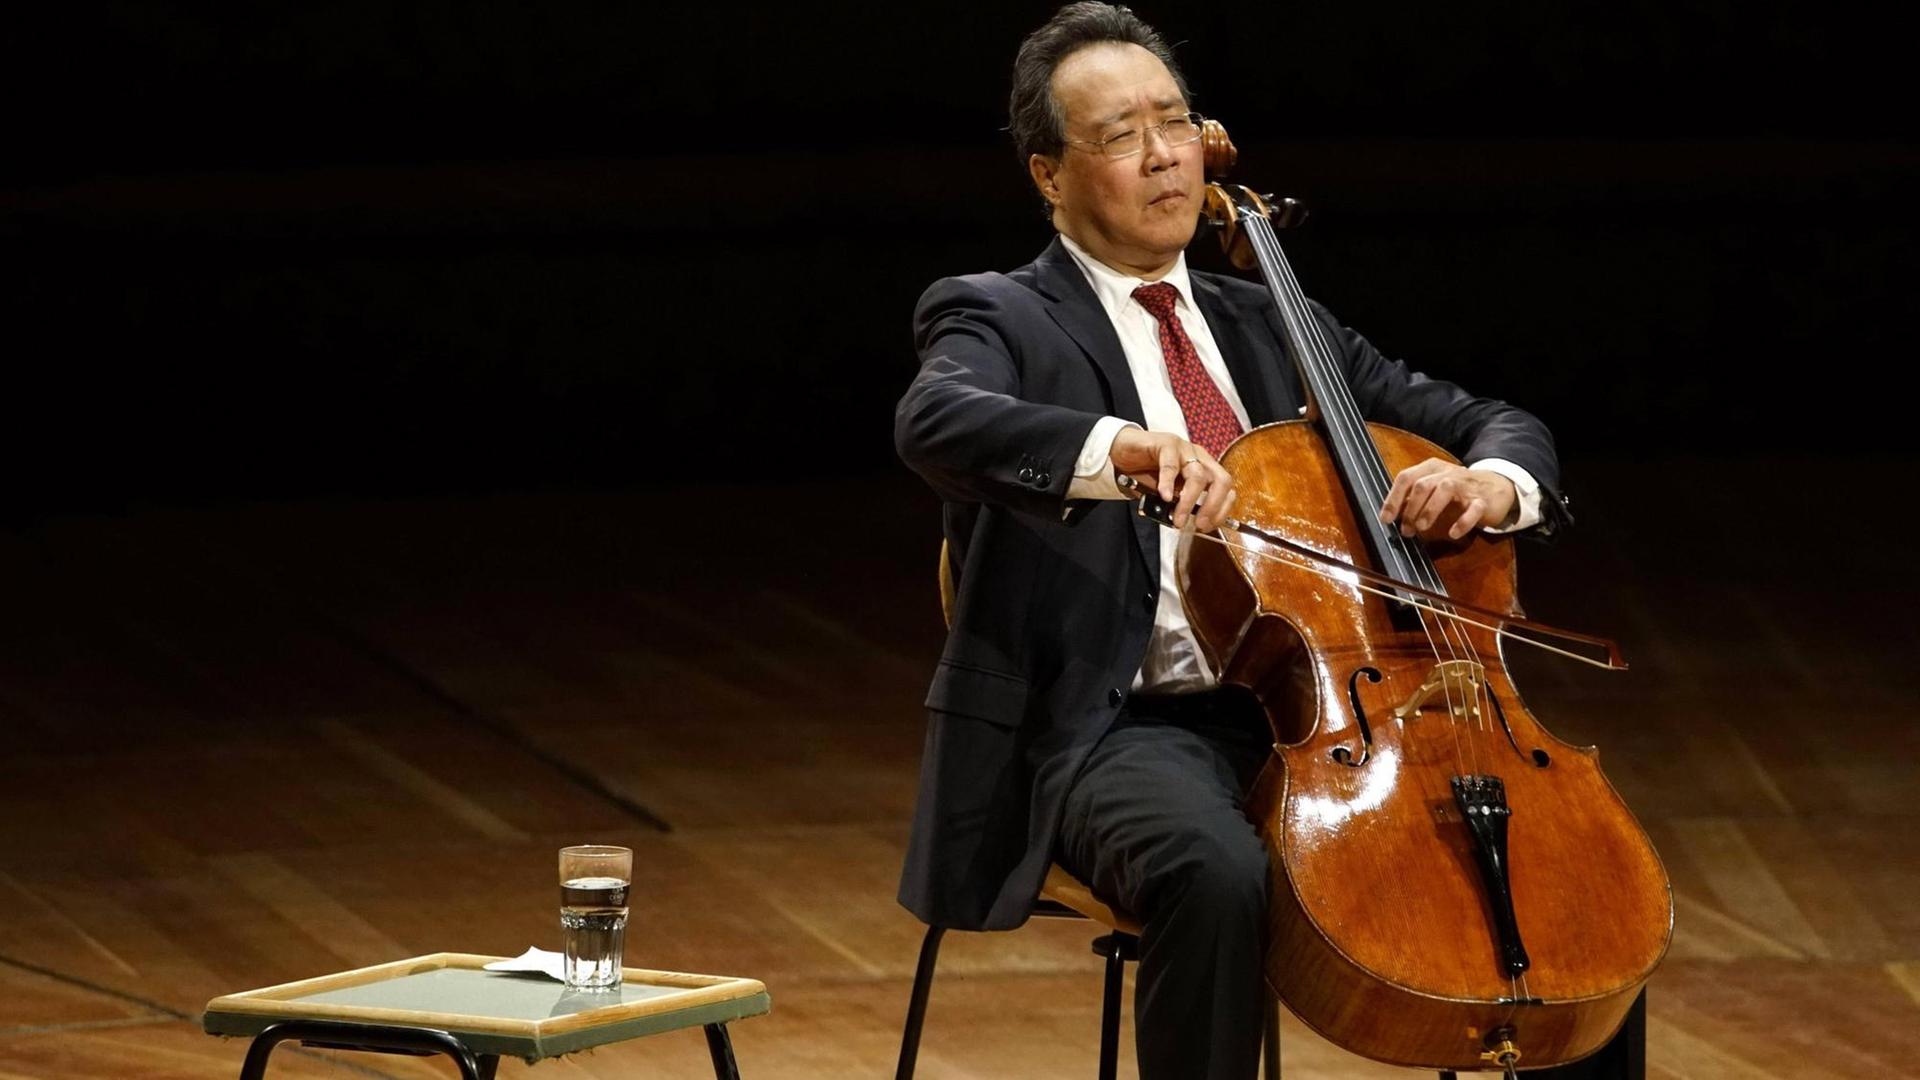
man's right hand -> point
(1182, 472)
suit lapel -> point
(1077, 311)
(1261, 370)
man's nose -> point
(1156, 151)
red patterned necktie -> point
(1210, 420)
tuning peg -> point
(1287, 212)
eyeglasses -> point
(1174, 131)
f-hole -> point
(1342, 754)
(1538, 756)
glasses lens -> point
(1174, 131)
(1180, 130)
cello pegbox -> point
(1217, 152)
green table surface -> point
(500, 995)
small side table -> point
(446, 1004)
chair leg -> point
(1633, 1036)
(917, 1006)
(1271, 1044)
(1116, 953)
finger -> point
(1443, 495)
(1215, 507)
(1396, 495)
(1206, 508)
(1169, 468)
(1193, 484)
(1219, 495)
(1393, 507)
(1418, 492)
(1443, 523)
(1208, 463)
(1216, 473)
(1469, 519)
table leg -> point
(375, 1037)
(721, 1047)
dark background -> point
(366, 249)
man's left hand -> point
(1440, 499)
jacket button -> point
(1026, 474)
(1043, 479)
(1148, 599)
(1115, 697)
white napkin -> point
(550, 964)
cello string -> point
(1425, 572)
(1340, 410)
(1342, 416)
(1373, 469)
(1371, 472)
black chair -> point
(1062, 896)
(1065, 897)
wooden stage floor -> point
(245, 746)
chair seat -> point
(1065, 889)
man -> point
(1073, 717)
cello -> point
(1451, 886)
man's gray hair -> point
(1034, 117)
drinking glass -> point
(593, 913)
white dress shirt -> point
(1174, 662)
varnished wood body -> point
(1381, 935)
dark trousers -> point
(1155, 824)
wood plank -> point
(1745, 885)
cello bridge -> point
(1457, 681)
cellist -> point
(1072, 717)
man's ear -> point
(1044, 171)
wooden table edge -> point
(275, 1002)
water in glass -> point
(593, 915)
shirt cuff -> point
(1093, 470)
(1524, 485)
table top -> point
(508, 1013)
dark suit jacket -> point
(1056, 599)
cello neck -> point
(1331, 403)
